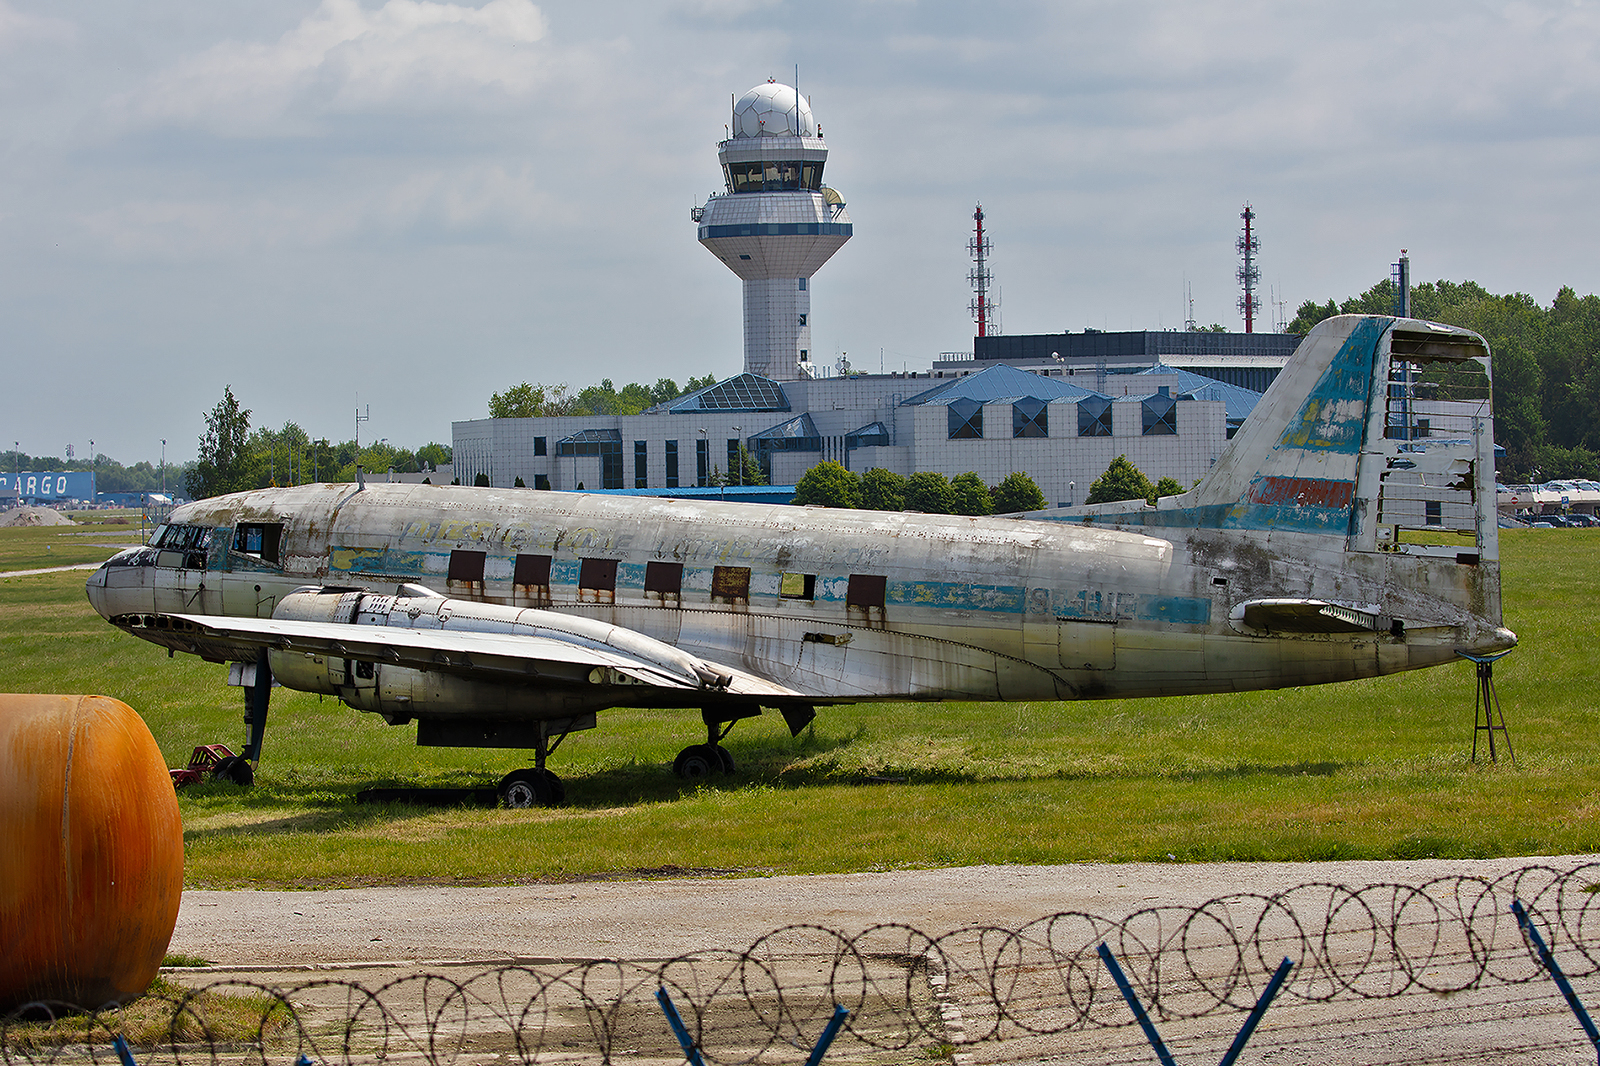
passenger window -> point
(663, 577)
(730, 583)
(531, 570)
(598, 574)
(260, 539)
(467, 566)
(798, 587)
(867, 590)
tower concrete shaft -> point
(774, 225)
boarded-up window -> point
(599, 574)
(531, 570)
(866, 590)
(730, 583)
(466, 565)
(798, 586)
(663, 577)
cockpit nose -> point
(95, 589)
(123, 584)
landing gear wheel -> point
(726, 758)
(532, 788)
(697, 761)
(237, 769)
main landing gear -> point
(535, 786)
(703, 760)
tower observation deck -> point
(775, 224)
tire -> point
(237, 769)
(696, 762)
(522, 789)
(726, 758)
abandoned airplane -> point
(1348, 531)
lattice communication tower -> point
(1249, 274)
(985, 306)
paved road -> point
(49, 570)
(661, 919)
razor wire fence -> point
(1430, 973)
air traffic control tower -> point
(775, 225)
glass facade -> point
(966, 419)
(1094, 417)
(1030, 418)
(758, 175)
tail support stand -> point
(1143, 1018)
(1486, 714)
(692, 1052)
(1549, 962)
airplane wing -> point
(488, 656)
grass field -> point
(1374, 769)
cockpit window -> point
(260, 539)
(182, 538)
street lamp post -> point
(163, 466)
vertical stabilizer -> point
(1378, 431)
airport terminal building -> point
(1059, 407)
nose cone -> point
(95, 589)
(123, 584)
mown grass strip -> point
(1371, 769)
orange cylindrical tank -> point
(91, 851)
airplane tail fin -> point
(1379, 431)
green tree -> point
(828, 484)
(1309, 314)
(1121, 481)
(971, 495)
(1167, 486)
(930, 493)
(519, 401)
(482, 481)
(533, 401)
(883, 490)
(1018, 492)
(749, 471)
(434, 454)
(224, 462)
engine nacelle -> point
(401, 693)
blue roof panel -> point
(1000, 384)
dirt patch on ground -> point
(33, 516)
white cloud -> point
(348, 58)
(18, 28)
(463, 203)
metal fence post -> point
(1554, 967)
(1239, 1040)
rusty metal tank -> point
(91, 851)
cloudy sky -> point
(411, 204)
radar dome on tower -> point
(773, 110)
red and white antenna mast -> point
(1249, 273)
(985, 307)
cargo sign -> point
(39, 486)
